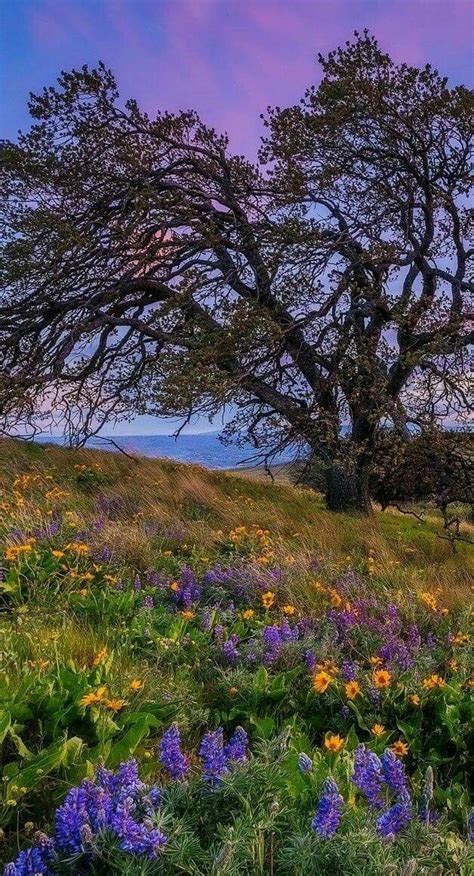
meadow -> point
(204, 673)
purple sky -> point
(229, 59)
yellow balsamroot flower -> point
(233, 691)
(429, 600)
(174, 586)
(352, 688)
(377, 730)
(321, 681)
(100, 656)
(461, 639)
(375, 661)
(334, 743)
(248, 614)
(58, 554)
(381, 678)
(268, 599)
(453, 664)
(400, 748)
(78, 547)
(433, 681)
(136, 684)
(289, 609)
(114, 704)
(94, 698)
(167, 553)
(188, 614)
(336, 600)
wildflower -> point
(94, 698)
(321, 681)
(334, 743)
(352, 688)
(211, 752)
(375, 661)
(400, 748)
(58, 554)
(171, 755)
(336, 600)
(114, 704)
(433, 681)
(236, 748)
(78, 547)
(268, 599)
(414, 699)
(377, 730)
(136, 684)
(289, 609)
(381, 678)
(229, 649)
(426, 797)
(367, 775)
(460, 639)
(305, 764)
(188, 614)
(248, 614)
(174, 586)
(329, 811)
(100, 656)
(233, 691)
(394, 772)
(394, 819)
(453, 665)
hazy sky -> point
(229, 59)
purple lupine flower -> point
(329, 811)
(305, 764)
(310, 659)
(171, 755)
(426, 797)
(367, 775)
(236, 748)
(230, 650)
(211, 752)
(148, 602)
(394, 773)
(470, 826)
(139, 838)
(206, 620)
(349, 670)
(218, 632)
(345, 712)
(373, 695)
(137, 584)
(31, 862)
(394, 819)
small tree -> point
(321, 293)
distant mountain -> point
(204, 449)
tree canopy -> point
(322, 292)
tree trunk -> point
(347, 488)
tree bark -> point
(347, 488)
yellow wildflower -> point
(377, 730)
(400, 748)
(321, 681)
(268, 598)
(381, 678)
(136, 684)
(289, 609)
(248, 614)
(352, 688)
(334, 743)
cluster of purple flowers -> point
(329, 811)
(371, 775)
(115, 803)
(216, 756)
(189, 590)
(171, 755)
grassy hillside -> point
(139, 596)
